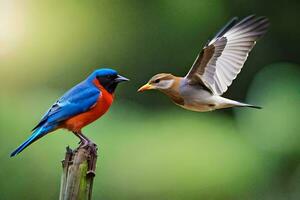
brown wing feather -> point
(207, 57)
(222, 59)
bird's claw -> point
(87, 145)
(92, 149)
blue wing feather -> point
(75, 101)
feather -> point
(219, 63)
(38, 133)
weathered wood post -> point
(78, 173)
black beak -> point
(121, 79)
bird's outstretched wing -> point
(223, 57)
(77, 100)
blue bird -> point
(78, 107)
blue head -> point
(108, 78)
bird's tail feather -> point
(252, 106)
(225, 103)
(246, 105)
(38, 133)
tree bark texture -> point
(78, 173)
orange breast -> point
(77, 122)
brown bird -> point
(214, 69)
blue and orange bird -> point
(78, 107)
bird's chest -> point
(101, 106)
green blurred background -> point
(150, 148)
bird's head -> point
(107, 78)
(161, 82)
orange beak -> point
(147, 86)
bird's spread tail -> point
(38, 133)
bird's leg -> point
(87, 143)
(83, 140)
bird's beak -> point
(121, 79)
(147, 86)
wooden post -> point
(78, 173)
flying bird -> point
(78, 107)
(214, 69)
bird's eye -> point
(157, 81)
